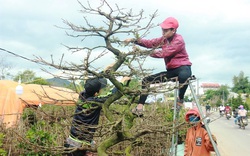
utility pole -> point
(197, 88)
(223, 98)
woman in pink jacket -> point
(171, 47)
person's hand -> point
(127, 41)
(214, 138)
(109, 67)
(136, 48)
(88, 153)
(125, 80)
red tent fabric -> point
(12, 105)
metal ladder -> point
(174, 143)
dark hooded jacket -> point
(81, 127)
(88, 110)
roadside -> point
(222, 129)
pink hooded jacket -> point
(197, 141)
(174, 52)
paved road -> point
(232, 141)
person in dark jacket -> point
(208, 107)
(86, 115)
(171, 48)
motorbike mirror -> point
(207, 120)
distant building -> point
(168, 87)
(209, 86)
(200, 89)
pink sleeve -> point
(153, 43)
(169, 49)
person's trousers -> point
(183, 73)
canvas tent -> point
(12, 104)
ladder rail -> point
(175, 116)
(174, 141)
(205, 123)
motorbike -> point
(228, 116)
(221, 113)
(242, 122)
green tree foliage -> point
(209, 94)
(236, 102)
(25, 76)
(38, 137)
(223, 92)
(2, 151)
(217, 97)
(241, 84)
(40, 81)
(29, 77)
(218, 103)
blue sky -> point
(216, 33)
